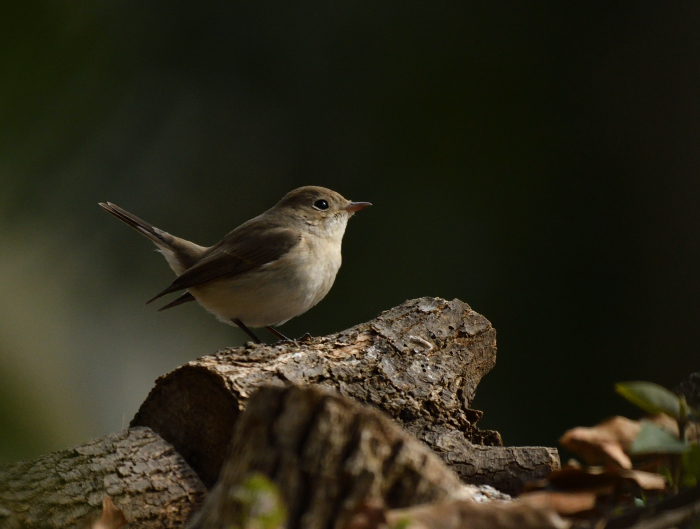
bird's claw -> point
(296, 341)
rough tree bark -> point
(327, 455)
(420, 362)
(152, 485)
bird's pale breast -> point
(279, 290)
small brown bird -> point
(268, 270)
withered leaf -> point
(670, 425)
(470, 515)
(604, 481)
(370, 514)
(112, 517)
(645, 480)
(605, 443)
(564, 503)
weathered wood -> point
(147, 480)
(507, 468)
(420, 362)
(327, 455)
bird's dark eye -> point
(321, 204)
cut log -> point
(146, 479)
(506, 468)
(420, 362)
(327, 455)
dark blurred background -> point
(540, 161)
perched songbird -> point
(268, 270)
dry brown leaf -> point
(368, 515)
(645, 480)
(112, 517)
(671, 425)
(604, 481)
(590, 479)
(664, 421)
(564, 503)
(604, 443)
(471, 515)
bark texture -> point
(505, 467)
(420, 362)
(327, 455)
(147, 480)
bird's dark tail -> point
(179, 253)
(159, 237)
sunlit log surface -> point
(420, 362)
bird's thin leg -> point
(277, 333)
(246, 330)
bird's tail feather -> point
(179, 253)
(159, 237)
(184, 298)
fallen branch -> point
(420, 362)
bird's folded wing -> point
(186, 297)
(239, 252)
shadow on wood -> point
(419, 362)
(327, 455)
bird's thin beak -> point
(357, 206)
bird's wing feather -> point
(239, 252)
(179, 301)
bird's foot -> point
(296, 341)
(283, 339)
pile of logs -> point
(376, 413)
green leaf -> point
(403, 523)
(651, 397)
(653, 439)
(260, 504)
(691, 466)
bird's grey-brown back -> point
(309, 210)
